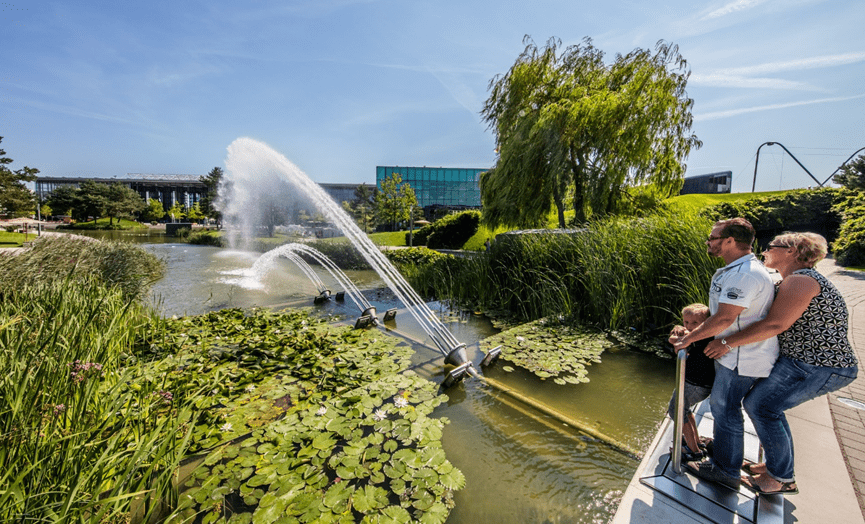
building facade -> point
(187, 190)
(441, 186)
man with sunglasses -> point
(740, 294)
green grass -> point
(389, 238)
(13, 239)
(697, 202)
(102, 223)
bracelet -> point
(724, 341)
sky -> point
(106, 88)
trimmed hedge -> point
(849, 248)
(795, 209)
(450, 232)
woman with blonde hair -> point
(810, 318)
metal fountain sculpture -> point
(253, 166)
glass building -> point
(443, 186)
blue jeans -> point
(726, 401)
(791, 383)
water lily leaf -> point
(423, 499)
(433, 457)
(369, 498)
(394, 470)
(560, 381)
(390, 446)
(435, 514)
(336, 497)
(240, 518)
(453, 480)
(394, 515)
(323, 441)
(509, 369)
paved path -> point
(829, 437)
(848, 421)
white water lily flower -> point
(521, 339)
(250, 388)
(321, 411)
(379, 415)
(226, 427)
(400, 402)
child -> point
(699, 376)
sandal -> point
(748, 467)
(787, 488)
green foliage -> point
(802, 207)
(15, 199)
(212, 181)
(308, 421)
(127, 266)
(414, 256)
(182, 232)
(122, 201)
(362, 208)
(450, 232)
(551, 348)
(570, 127)
(81, 438)
(177, 211)
(616, 273)
(343, 254)
(849, 248)
(206, 238)
(153, 212)
(394, 201)
(852, 176)
(103, 223)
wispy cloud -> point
(814, 62)
(735, 112)
(720, 79)
(732, 7)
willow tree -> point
(571, 129)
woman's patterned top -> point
(819, 336)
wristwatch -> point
(724, 341)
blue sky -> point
(105, 88)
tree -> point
(122, 201)
(571, 128)
(852, 175)
(153, 212)
(15, 198)
(362, 207)
(176, 212)
(195, 214)
(91, 200)
(45, 211)
(394, 200)
(63, 199)
(212, 181)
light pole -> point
(754, 183)
(411, 225)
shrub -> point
(343, 254)
(849, 248)
(205, 238)
(414, 255)
(451, 232)
(813, 209)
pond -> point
(520, 465)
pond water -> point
(521, 466)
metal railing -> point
(681, 356)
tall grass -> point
(83, 437)
(80, 441)
(621, 272)
(125, 265)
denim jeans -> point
(791, 383)
(726, 401)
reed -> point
(615, 273)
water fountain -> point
(293, 252)
(254, 172)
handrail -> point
(680, 410)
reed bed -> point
(84, 437)
(616, 273)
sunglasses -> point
(773, 246)
(711, 238)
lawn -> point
(14, 239)
(102, 223)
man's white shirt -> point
(745, 282)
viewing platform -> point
(829, 437)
